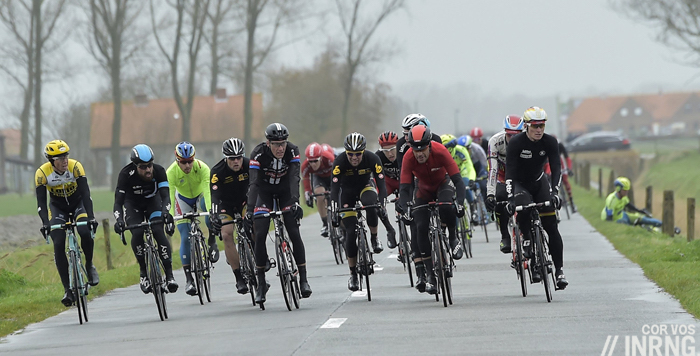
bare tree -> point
(113, 43)
(219, 38)
(358, 32)
(678, 21)
(195, 12)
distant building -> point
(157, 123)
(638, 115)
(16, 174)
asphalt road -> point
(608, 295)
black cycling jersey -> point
(229, 187)
(402, 147)
(391, 169)
(132, 188)
(525, 160)
(267, 172)
(356, 178)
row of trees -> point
(131, 39)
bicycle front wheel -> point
(245, 253)
(542, 264)
(405, 251)
(519, 260)
(196, 265)
(563, 195)
(153, 272)
(481, 206)
(75, 285)
(283, 271)
(206, 268)
(364, 261)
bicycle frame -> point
(199, 254)
(246, 255)
(334, 233)
(540, 247)
(365, 260)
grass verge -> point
(670, 262)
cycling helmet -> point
(313, 150)
(448, 140)
(465, 141)
(327, 147)
(424, 121)
(622, 183)
(55, 149)
(513, 123)
(233, 147)
(419, 137)
(412, 120)
(184, 150)
(534, 115)
(476, 133)
(276, 132)
(355, 142)
(388, 138)
(141, 154)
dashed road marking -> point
(333, 323)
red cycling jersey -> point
(430, 174)
(324, 170)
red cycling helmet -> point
(419, 137)
(476, 133)
(388, 138)
(313, 150)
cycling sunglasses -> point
(354, 153)
(144, 167)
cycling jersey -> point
(614, 207)
(324, 170)
(402, 147)
(229, 188)
(478, 159)
(525, 160)
(461, 156)
(267, 172)
(191, 185)
(357, 178)
(132, 188)
(431, 174)
(497, 161)
(66, 190)
(391, 172)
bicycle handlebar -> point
(430, 204)
(326, 193)
(360, 207)
(190, 215)
(61, 226)
(270, 213)
(532, 206)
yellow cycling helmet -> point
(534, 114)
(622, 183)
(55, 149)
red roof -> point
(12, 141)
(593, 111)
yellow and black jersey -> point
(60, 185)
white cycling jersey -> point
(497, 161)
(477, 153)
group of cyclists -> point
(418, 167)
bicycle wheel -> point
(295, 291)
(247, 266)
(83, 289)
(519, 260)
(448, 267)
(463, 234)
(206, 270)
(364, 260)
(283, 272)
(439, 265)
(196, 259)
(542, 264)
(154, 277)
(75, 283)
(405, 251)
(481, 206)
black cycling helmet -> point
(141, 154)
(276, 132)
(419, 137)
(233, 147)
(355, 142)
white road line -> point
(393, 255)
(377, 267)
(333, 323)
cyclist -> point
(461, 156)
(69, 193)
(496, 189)
(431, 163)
(477, 135)
(390, 165)
(229, 185)
(352, 181)
(274, 171)
(526, 182)
(407, 124)
(188, 179)
(316, 173)
(565, 172)
(145, 195)
(619, 209)
(478, 156)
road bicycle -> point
(287, 269)
(479, 216)
(405, 254)
(245, 254)
(154, 266)
(564, 198)
(443, 263)
(365, 261)
(76, 270)
(539, 244)
(199, 255)
(335, 234)
(465, 232)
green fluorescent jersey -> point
(461, 156)
(190, 185)
(614, 206)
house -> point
(16, 174)
(157, 123)
(638, 115)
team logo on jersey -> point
(525, 154)
(335, 179)
(214, 178)
(381, 176)
(214, 187)
(242, 177)
(336, 170)
(542, 153)
(378, 168)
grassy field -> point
(665, 145)
(670, 262)
(14, 204)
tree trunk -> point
(115, 74)
(38, 140)
(346, 103)
(26, 109)
(248, 83)
(214, 61)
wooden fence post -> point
(630, 195)
(587, 174)
(108, 243)
(600, 182)
(668, 221)
(647, 205)
(691, 219)
(611, 181)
